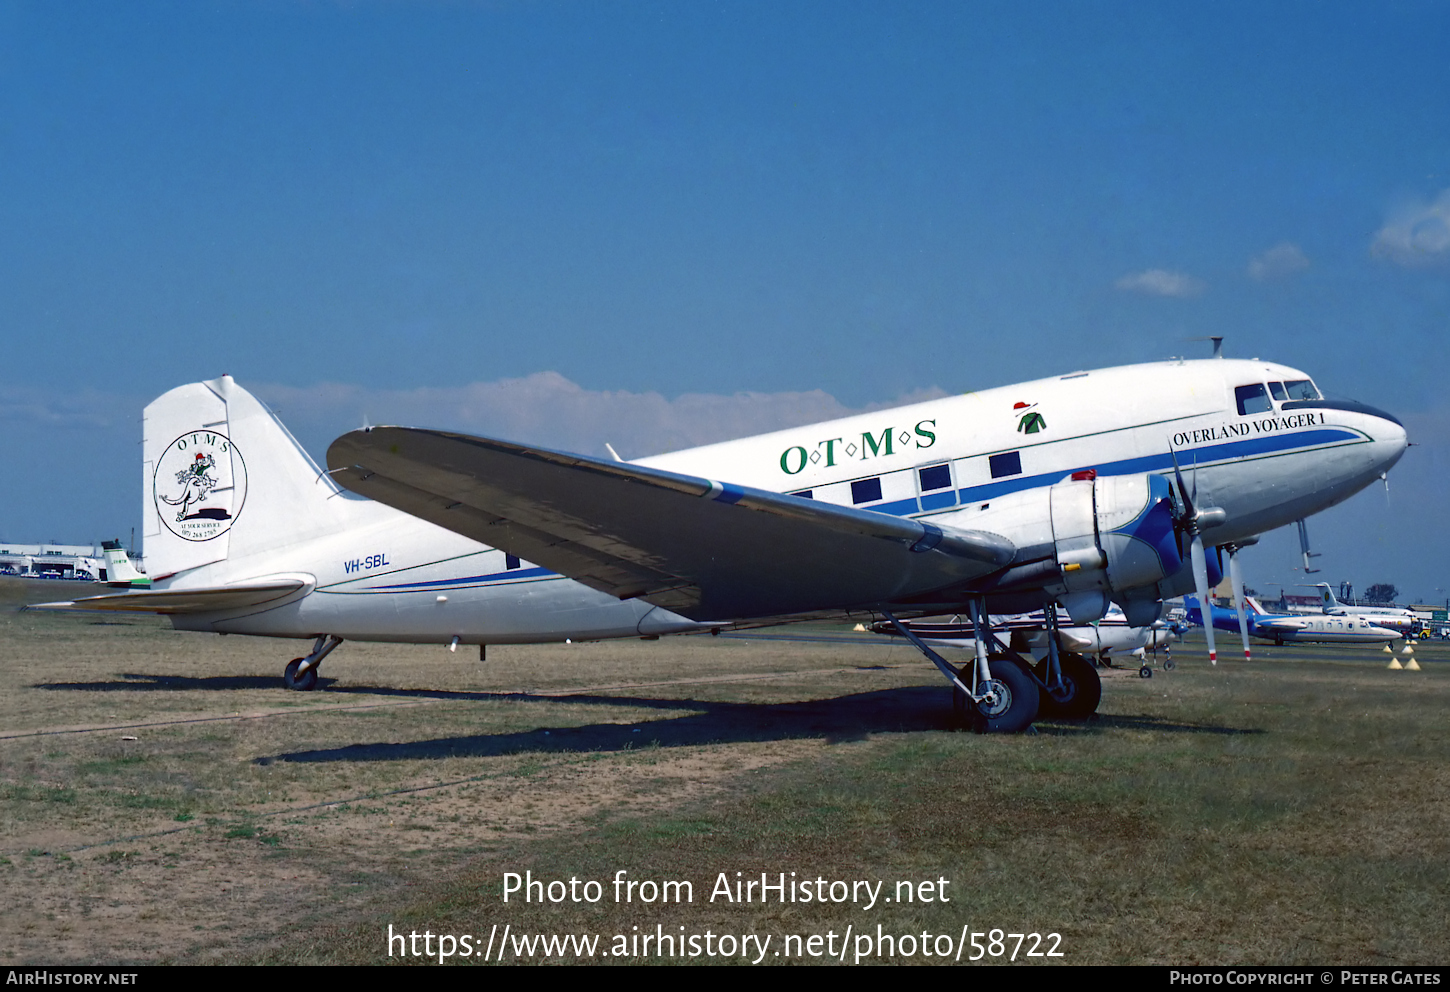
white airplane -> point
(1406, 622)
(997, 501)
(1284, 628)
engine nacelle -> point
(1091, 541)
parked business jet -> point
(1109, 488)
(1407, 622)
(1283, 628)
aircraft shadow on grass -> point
(835, 720)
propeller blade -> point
(1238, 587)
(1200, 581)
(1183, 490)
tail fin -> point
(119, 570)
(1327, 595)
(1254, 606)
(1195, 613)
(223, 479)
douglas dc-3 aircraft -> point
(1077, 489)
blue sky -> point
(639, 215)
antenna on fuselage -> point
(1217, 340)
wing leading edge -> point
(704, 549)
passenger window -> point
(1276, 389)
(1301, 389)
(1007, 463)
(866, 490)
(510, 562)
(805, 494)
(1253, 399)
(935, 477)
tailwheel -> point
(1011, 699)
(1082, 689)
(303, 682)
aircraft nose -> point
(1390, 436)
(1384, 429)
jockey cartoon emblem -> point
(199, 486)
(1031, 421)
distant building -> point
(79, 562)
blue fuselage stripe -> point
(517, 573)
(1187, 457)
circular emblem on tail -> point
(200, 485)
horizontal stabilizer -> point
(168, 601)
(705, 549)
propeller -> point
(1189, 524)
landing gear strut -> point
(994, 694)
(301, 673)
(1068, 682)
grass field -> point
(163, 799)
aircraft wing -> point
(1282, 624)
(705, 549)
(167, 601)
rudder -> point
(224, 479)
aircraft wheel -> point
(1015, 704)
(1146, 672)
(307, 680)
(1169, 665)
(1084, 689)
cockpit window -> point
(1253, 399)
(1302, 389)
(1276, 390)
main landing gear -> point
(1001, 692)
(301, 673)
(1080, 689)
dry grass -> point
(1291, 811)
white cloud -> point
(1161, 282)
(85, 408)
(1284, 259)
(1418, 233)
(547, 409)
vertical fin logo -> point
(200, 485)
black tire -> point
(1146, 672)
(302, 683)
(1169, 665)
(1084, 689)
(1017, 704)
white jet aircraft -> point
(1076, 489)
(1406, 623)
(1302, 628)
